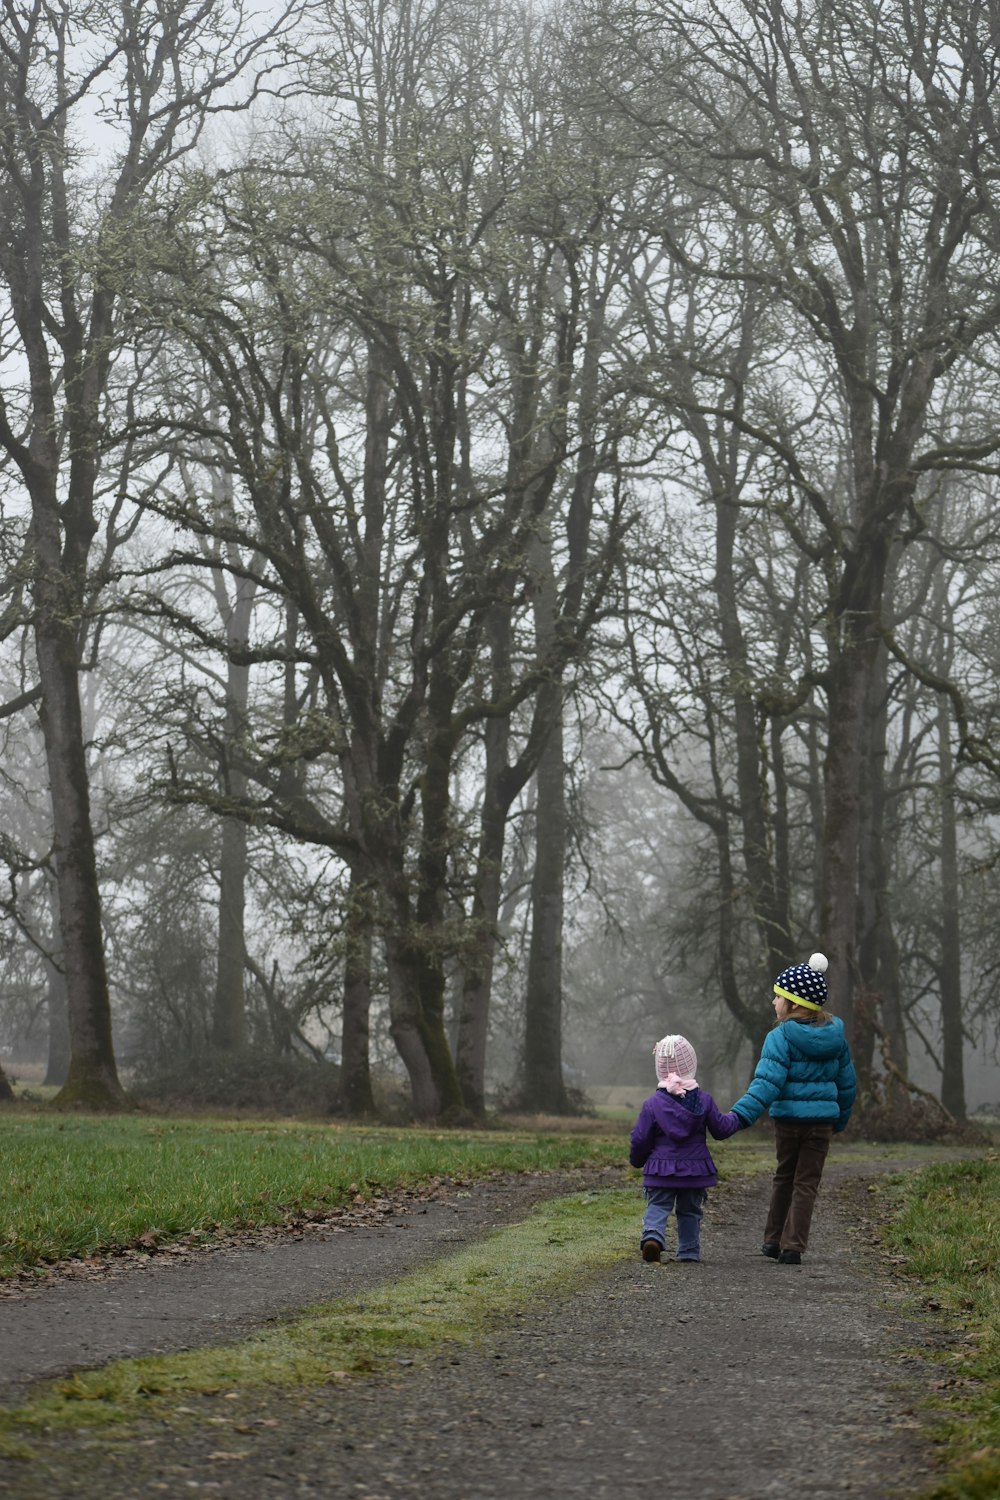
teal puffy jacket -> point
(805, 1072)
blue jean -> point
(688, 1204)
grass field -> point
(83, 1185)
(946, 1232)
(79, 1185)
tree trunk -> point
(880, 1008)
(782, 830)
(854, 665)
(62, 531)
(57, 1067)
(765, 893)
(418, 1033)
(501, 784)
(413, 934)
(839, 853)
(477, 979)
(755, 1021)
(427, 942)
(229, 1017)
(414, 960)
(229, 1021)
(92, 1079)
(544, 1087)
(404, 1028)
(952, 1030)
(355, 1065)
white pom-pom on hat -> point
(819, 962)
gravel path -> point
(735, 1379)
(217, 1294)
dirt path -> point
(735, 1379)
(218, 1295)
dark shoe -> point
(689, 1260)
(790, 1258)
(771, 1250)
(651, 1249)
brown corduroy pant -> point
(801, 1147)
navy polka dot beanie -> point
(804, 984)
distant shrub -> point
(910, 1119)
(256, 1079)
(511, 1101)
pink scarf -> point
(675, 1084)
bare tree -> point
(856, 150)
(150, 75)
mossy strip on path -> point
(451, 1301)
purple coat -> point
(668, 1141)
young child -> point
(805, 1079)
(668, 1142)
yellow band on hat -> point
(796, 999)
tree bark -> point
(229, 1018)
(427, 942)
(853, 670)
(756, 822)
(414, 949)
(950, 971)
(544, 1087)
(229, 1021)
(501, 784)
(880, 1006)
(62, 529)
(755, 1021)
(355, 1064)
(57, 1066)
(92, 1079)
(480, 946)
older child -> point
(668, 1142)
(805, 1079)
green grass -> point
(75, 1186)
(80, 1186)
(947, 1232)
(451, 1301)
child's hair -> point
(810, 1017)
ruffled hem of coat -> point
(693, 1173)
